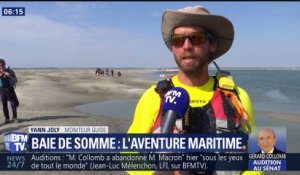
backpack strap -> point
(163, 86)
(232, 100)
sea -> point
(276, 91)
(269, 90)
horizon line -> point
(254, 67)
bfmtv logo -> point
(171, 96)
(15, 142)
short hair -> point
(267, 129)
(2, 61)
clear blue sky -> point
(127, 34)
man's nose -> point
(187, 44)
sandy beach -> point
(48, 97)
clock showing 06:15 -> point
(13, 11)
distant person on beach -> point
(98, 72)
(196, 38)
(119, 74)
(112, 72)
(106, 71)
(7, 91)
(266, 140)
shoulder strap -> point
(225, 84)
(163, 86)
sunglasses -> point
(196, 38)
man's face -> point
(192, 56)
(266, 140)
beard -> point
(195, 66)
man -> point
(112, 72)
(7, 85)
(196, 38)
(266, 140)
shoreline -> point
(282, 116)
(159, 68)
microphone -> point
(175, 104)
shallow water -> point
(122, 109)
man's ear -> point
(213, 47)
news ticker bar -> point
(148, 161)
